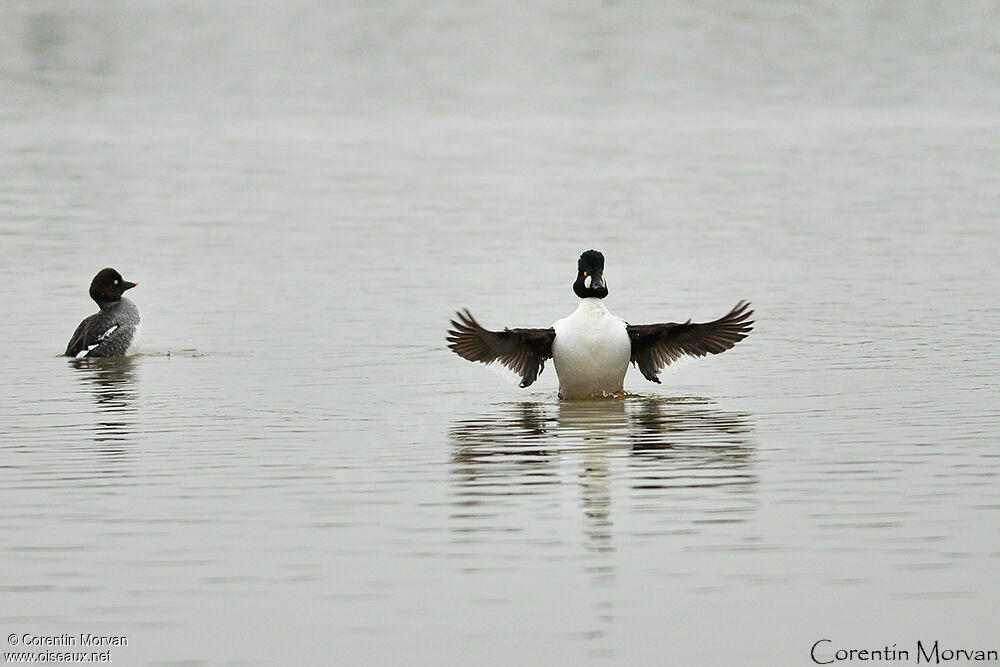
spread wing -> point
(523, 351)
(655, 346)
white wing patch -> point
(100, 339)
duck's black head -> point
(108, 286)
(590, 276)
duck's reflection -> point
(657, 448)
(688, 443)
(112, 382)
(682, 464)
(595, 425)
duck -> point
(592, 348)
(116, 329)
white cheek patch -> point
(587, 281)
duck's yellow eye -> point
(116, 282)
(584, 274)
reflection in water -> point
(656, 446)
(113, 384)
(598, 424)
(694, 443)
(681, 461)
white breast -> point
(591, 351)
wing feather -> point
(523, 351)
(656, 346)
(78, 343)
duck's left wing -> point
(88, 339)
(523, 351)
(655, 346)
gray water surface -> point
(297, 471)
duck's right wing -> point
(523, 351)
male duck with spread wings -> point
(592, 348)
